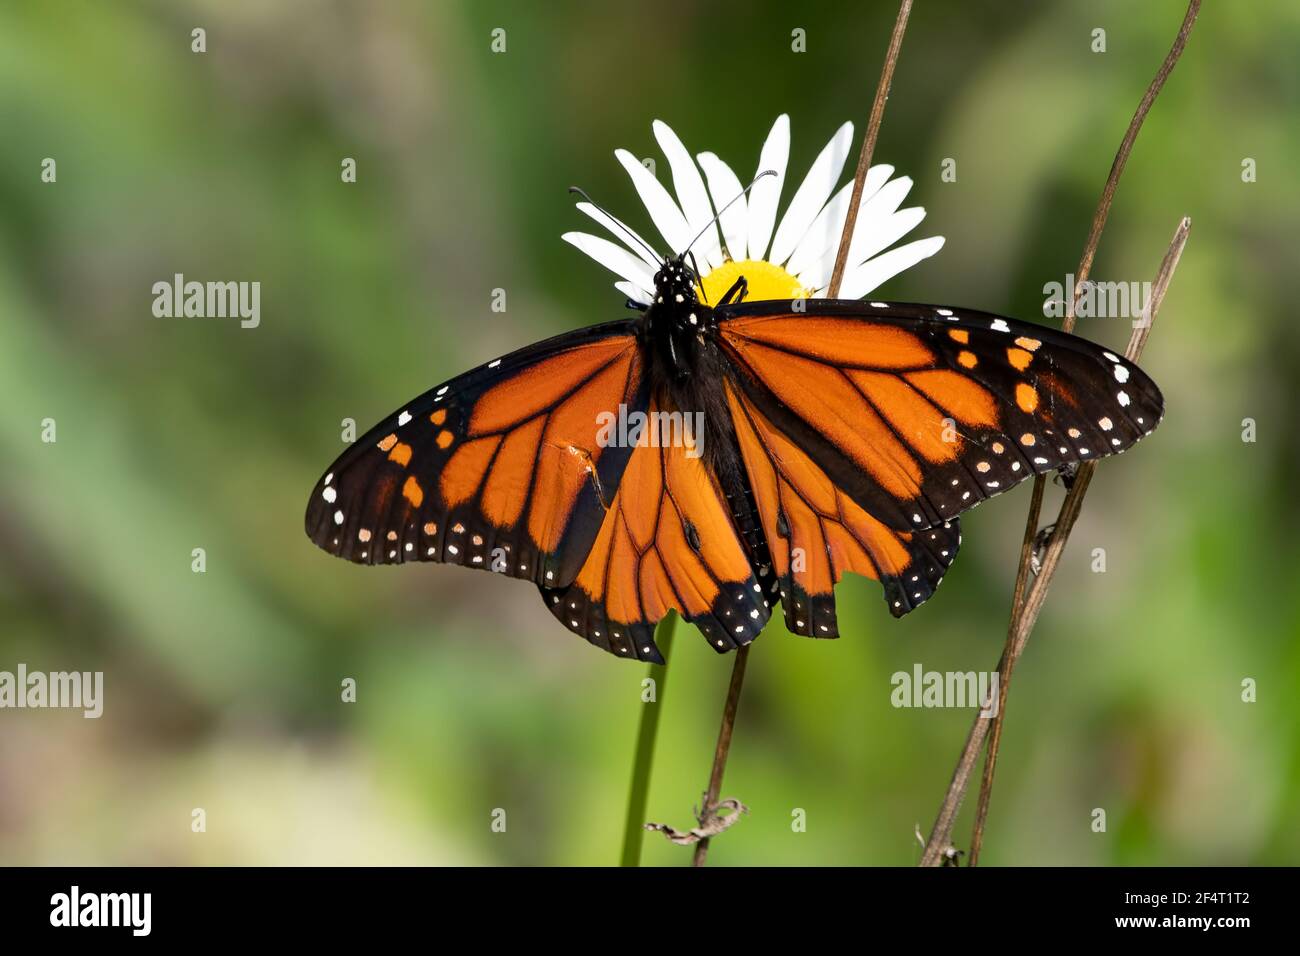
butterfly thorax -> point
(676, 324)
(687, 367)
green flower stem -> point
(634, 827)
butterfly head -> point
(675, 284)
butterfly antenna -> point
(735, 199)
(578, 190)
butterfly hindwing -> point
(668, 542)
(919, 413)
(816, 532)
(500, 468)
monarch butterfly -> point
(837, 436)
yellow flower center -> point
(766, 281)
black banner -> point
(936, 906)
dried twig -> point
(869, 146)
(837, 277)
(709, 810)
(1028, 600)
(1034, 596)
(723, 816)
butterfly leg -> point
(695, 267)
(739, 289)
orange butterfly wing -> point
(862, 434)
(501, 468)
(668, 542)
(920, 413)
(816, 532)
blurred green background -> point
(223, 688)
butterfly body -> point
(839, 436)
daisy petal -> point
(822, 240)
(724, 187)
(668, 219)
(634, 292)
(614, 258)
(765, 195)
(873, 215)
(885, 234)
(624, 234)
(692, 195)
(811, 195)
(866, 277)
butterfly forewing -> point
(500, 468)
(919, 413)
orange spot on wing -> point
(1027, 343)
(387, 442)
(439, 416)
(1019, 359)
(959, 335)
(1026, 397)
(401, 454)
(445, 438)
(967, 359)
(412, 491)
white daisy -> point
(791, 260)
